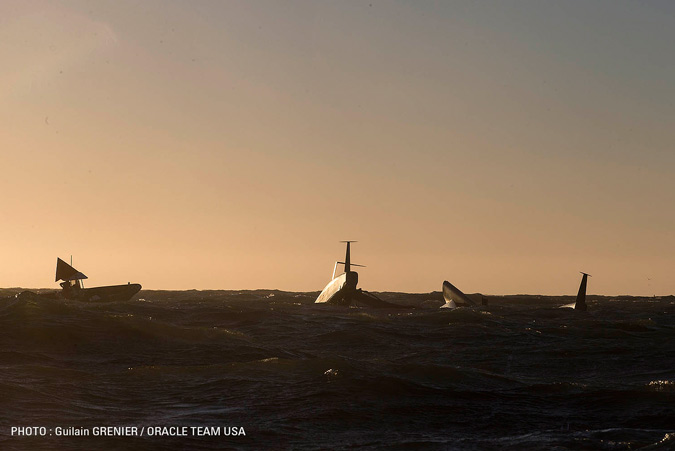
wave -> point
(525, 375)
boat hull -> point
(340, 290)
(112, 293)
(454, 297)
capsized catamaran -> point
(341, 290)
(72, 288)
(455, 298)
(580, 303)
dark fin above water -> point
(580, 303)
(66, 272)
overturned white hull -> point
(341, 290)
(455, 298)
(338, 290)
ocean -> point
(266, 369)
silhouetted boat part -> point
(455, 298)
(66, 272)
(580, 303)
(72, 287)
(341, 290)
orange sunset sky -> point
(501, 145)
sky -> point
(501, 145)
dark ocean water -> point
(519, 374)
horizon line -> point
(374, 291)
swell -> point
(521, 375)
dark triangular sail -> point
(66, 272)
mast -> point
(347, 259)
